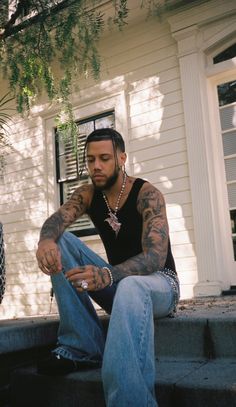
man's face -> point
(102, 165)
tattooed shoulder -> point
(150, 201)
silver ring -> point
(84, 284)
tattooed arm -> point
(48, 254)
(151, 205)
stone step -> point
(178, 383)
(195, 351)
(196, 338)
(187, 336)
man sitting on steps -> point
(138, 283)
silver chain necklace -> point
(112, 218)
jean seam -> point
(172, 305)
(143, 331)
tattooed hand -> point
(49, 257)
(96, 277)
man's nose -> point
(97, 164)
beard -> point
(109, 182)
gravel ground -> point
(204, 306)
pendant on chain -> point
(113, 222)
(112, 218)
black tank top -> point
(128, 242)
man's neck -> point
(115, 189)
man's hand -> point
(97, 278)
(49, 257)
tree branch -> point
(10, 29)
(19, 9)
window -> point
(227, 106)
(68, 166)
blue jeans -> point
(128, 369)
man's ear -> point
(123, 157)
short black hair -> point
(107, 133)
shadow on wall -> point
(158, 153)
(23, 209)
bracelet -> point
(110, 275)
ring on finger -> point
(84, 284)
(47, 269)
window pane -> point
(86, 128)
(68, 168)
(232, 195)
(234, 246)
(107, 121)
(229, 143)
(80, 152)
(227, 93)
(228, 53)
(228, 117)
(67, 162)
(84, 222)
(233, 220)
(230, 169)
(69, 188)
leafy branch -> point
(65, 31)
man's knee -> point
(130, 293)
(130, 284)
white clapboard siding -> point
(23, 271)
(151, 90)
(32, 182)
(158, 126)
(182, 238)
(172, 159)
(178, 198)
(30, 197)
(161, 150)
(32, 204)
(165, 83)
(183, 250)
(19, 164)
(176, 211)
(29, 236)
(32, 275)
(155, 102)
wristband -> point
(110, 275)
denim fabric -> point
(128, 369)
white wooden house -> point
(169, 86)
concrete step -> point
(187, 336)
(22, 341)
(178, 383)
(195, 351)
